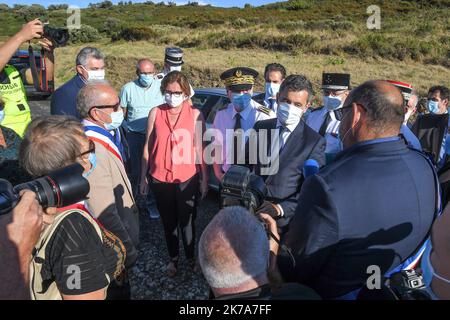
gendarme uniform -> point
(174, 58)
(12, 91)
(323, 120)
(238, 79)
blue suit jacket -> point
(373, 206)
(284, 186)
(64, 99)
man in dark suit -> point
(432, 128)
(373, 207)
(290, 142)
(90, 65)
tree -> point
(248, 6)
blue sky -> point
(84, 3)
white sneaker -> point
(154, 214)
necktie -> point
(323, 128)
(237, 125)
(272, 104)
(283, 133)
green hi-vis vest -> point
(17, 110)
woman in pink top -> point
(173, 165)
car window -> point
(204, 102)
(220, 104)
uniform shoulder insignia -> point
(265, 110)
(160, 76)
(317, 109)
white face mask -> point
(173, 100)
(272, 89)
(289, 115)
(175, 68)
(95, 74)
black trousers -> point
(177, 205)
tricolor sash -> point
(112, 143)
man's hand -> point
(47, 45)
(269, 208)
(32, 30)
(26, 225)
(273, 272)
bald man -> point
(110, 198)
(367, 212)
(138, 97)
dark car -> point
(21, 62)
(209, 101)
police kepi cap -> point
(336, 81)
(239, 79)
(174, 56)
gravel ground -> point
(148, 278)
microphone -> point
(310, 167)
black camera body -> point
(408, 285)
(58, 189)
(59, 36)
(241, 187)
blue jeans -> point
(136, 142)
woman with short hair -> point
(173, 165)
(75, 257)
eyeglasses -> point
(115, 107)
(176, 94)
(91, 149)
(334, 93)
(339, 113)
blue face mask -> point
(433, 106)
(93, 161)
(241, 101)
(2, 115)
(146, 80)
(116, 120)
(332, 103)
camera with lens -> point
(58, 189)
(59, 36)
(241, 187)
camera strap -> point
(34, 72)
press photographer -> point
(17, 111)
(240, 269)
(75, 240)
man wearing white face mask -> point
(173, 61)
(297, 143)
(274, 74)
(432, 128)
(336, 88)
(241, 114)
(90, 65)
(99, 107)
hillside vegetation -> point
(309, 36)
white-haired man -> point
(234, 258)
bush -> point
(136, 34)
(111, 26)
(239, 23)
(85, 34)
(4, 7)
(291, 25)
(31, 12)
(298, 5)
